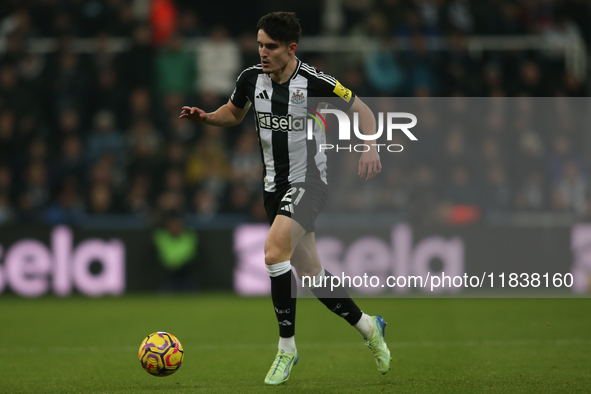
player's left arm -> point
(369, 163)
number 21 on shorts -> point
(294, 190)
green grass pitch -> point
(81, 345)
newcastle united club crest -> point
(298, 97)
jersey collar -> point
(295, 72)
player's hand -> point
(369, 165)
(194, 114)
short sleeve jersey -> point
(280, 116)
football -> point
(161, 354)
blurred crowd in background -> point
(96, 131)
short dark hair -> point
(281, 26)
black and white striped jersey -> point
(280, 116)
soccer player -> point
(295, 183)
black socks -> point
(283, 293)
(338, 301)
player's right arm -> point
(227, 115)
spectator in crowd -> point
(424, 197)
(143, 159)
(104, 172)
(168, 202)
(68, 207)
(395, 193)
(142, 132)
(174, 181)
(218, 62)
(433, 136)
(37, 151)
(249, 53)
(354, 11)
(124, 21)
(70, 84)
(30, 69)
(532, 193)
(456, 152)
(246, 161)
(421, 67)
(177, 130)
(491, 153)
(414, 25)
(6, 184)
(18, 23)
(137, 200)
(101, 200)
(139, 105)
(108, 94)
(497, 193)
(7, 212)
(11, 93)
(563, 153)
(460, 70)
(101, 59)
(493, 84)
(169, 104)
(458, 15)
(176, 248)
(208, 167)
(69, 123)
(572, 86)
(35, 193)
(70, 162)
(573, 188)
(393, 10)
(531, 81)
(189, 25)
(137, 66)
(7, 137)
(383, 70)
(163, 18)
(106, 139)
(14, 50)
(176, 155)
(175, 68)
(529, 157)
(205, 204)
(354, 78)
(511, 22)
(460, 187)
(239, 199)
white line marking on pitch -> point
(256, 346)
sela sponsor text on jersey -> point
(268, 120)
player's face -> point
(274, 54)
